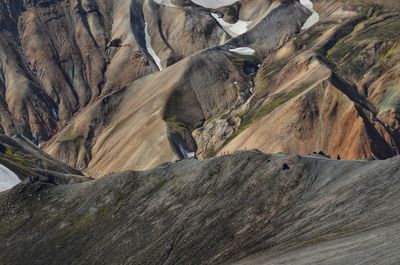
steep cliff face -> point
(247, 208)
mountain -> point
(199, 131)
(66, 58)
(324, 88)
(246, 208)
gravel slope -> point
(246, 208)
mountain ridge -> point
(243, 208)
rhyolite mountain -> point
(143, 87)
(82, 79)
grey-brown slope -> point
(30, 163)
(218, 211)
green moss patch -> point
(173, 123)
(266, 75)
(390, 52)
(15, 158)
(304, 40)
(70, 136)
(276, 101)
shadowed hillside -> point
(246, 208)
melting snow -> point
(314, 18)
(8, 179)
(165, 3)
(243, 51)
(54, 113)
(214, 3)
(150, 49)
(234, 30)
(186, 154)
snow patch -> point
(314, 18)
(235, 29)
(150, 49)
(214, 3)
(165, 3)
(8, 179)
(186, 154)
(54, 113)
(243, 51)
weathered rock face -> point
(246, 208)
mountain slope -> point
(331, 89)
(59, 56)
(246, 208)
(21, 160)
(154, 121)
(324, 88)
(109, 86)
(95, 99)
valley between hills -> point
(199, 132)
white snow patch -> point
(8, 179)
(243, 51)
(214, 3)
(314, 18)
(54, 113)
(165, 3)
(150, 49)
(235, 29)
(186, 154)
